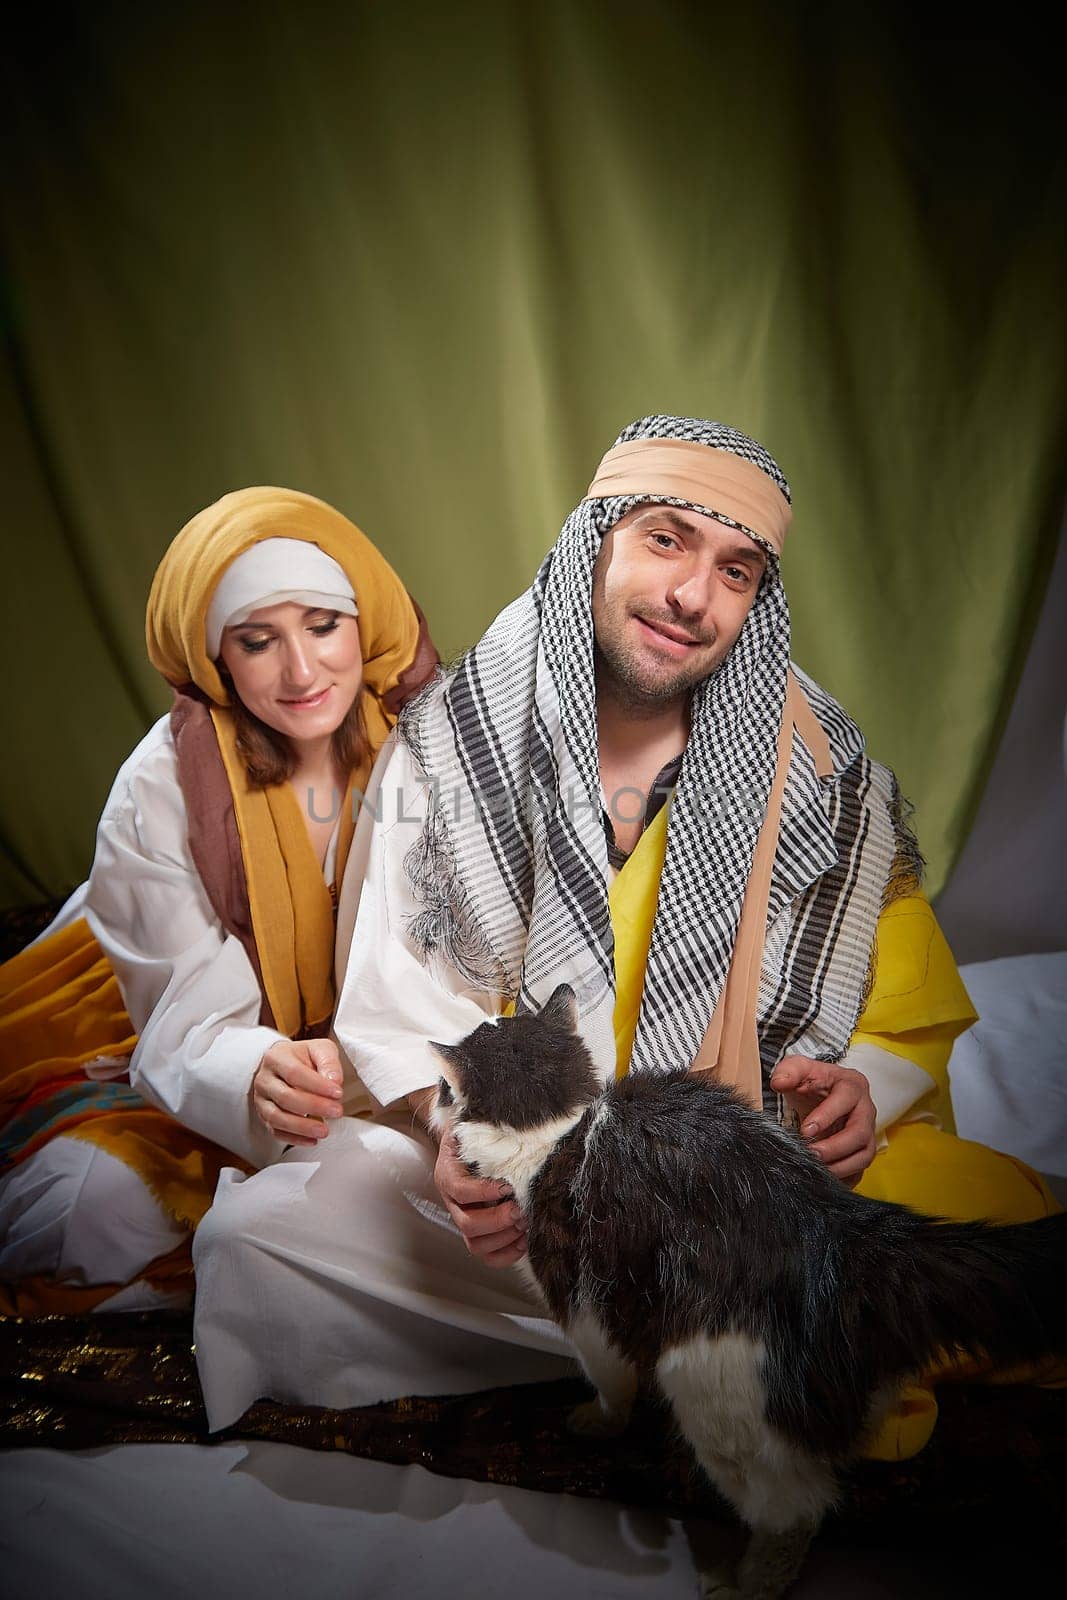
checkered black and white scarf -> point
(511, 867)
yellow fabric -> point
(946, 1176)
(310, 902)
(292, 915)
(289, 901)
(918, 1004)
(632, 905)
(180, 1167)
(60, 1007)
(937, 1173)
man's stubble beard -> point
(642, 694)
(616, 663)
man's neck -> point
(635, 743)
(634, 731)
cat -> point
(676, 1235)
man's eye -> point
(664, 541)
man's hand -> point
(836, 1111)
(296, 1089)
(483, 1210)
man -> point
(672, 587)
(519, 836)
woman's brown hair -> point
(269, 757)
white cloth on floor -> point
(336, 1278)
(1009, 1072)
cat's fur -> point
(677, 1235)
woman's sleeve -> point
(916, 1008)
(189, 987)
(391, 1003)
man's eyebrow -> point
(666, 514)
(749, 551)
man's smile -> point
(667, 636)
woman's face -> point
(296, 668)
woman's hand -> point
(836, 1111)
(296, 1090)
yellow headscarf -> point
(290, 905)
(185, 581)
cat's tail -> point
(994, 1293)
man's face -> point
(671, 591)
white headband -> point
(271, 572)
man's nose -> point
(692, 595)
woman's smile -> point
(308, 702)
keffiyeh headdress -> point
(511, 867)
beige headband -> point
(679, 469)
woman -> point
(174, 1015)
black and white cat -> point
(677, 1235)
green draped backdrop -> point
(425, 261)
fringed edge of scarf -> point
(906, 874)
(407, 731)
(446, 927)
(909, 864)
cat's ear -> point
(450, 1052)
(561, 1007)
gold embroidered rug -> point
(998, 1457)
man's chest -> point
(633, 793)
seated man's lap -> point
(361, 1207)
